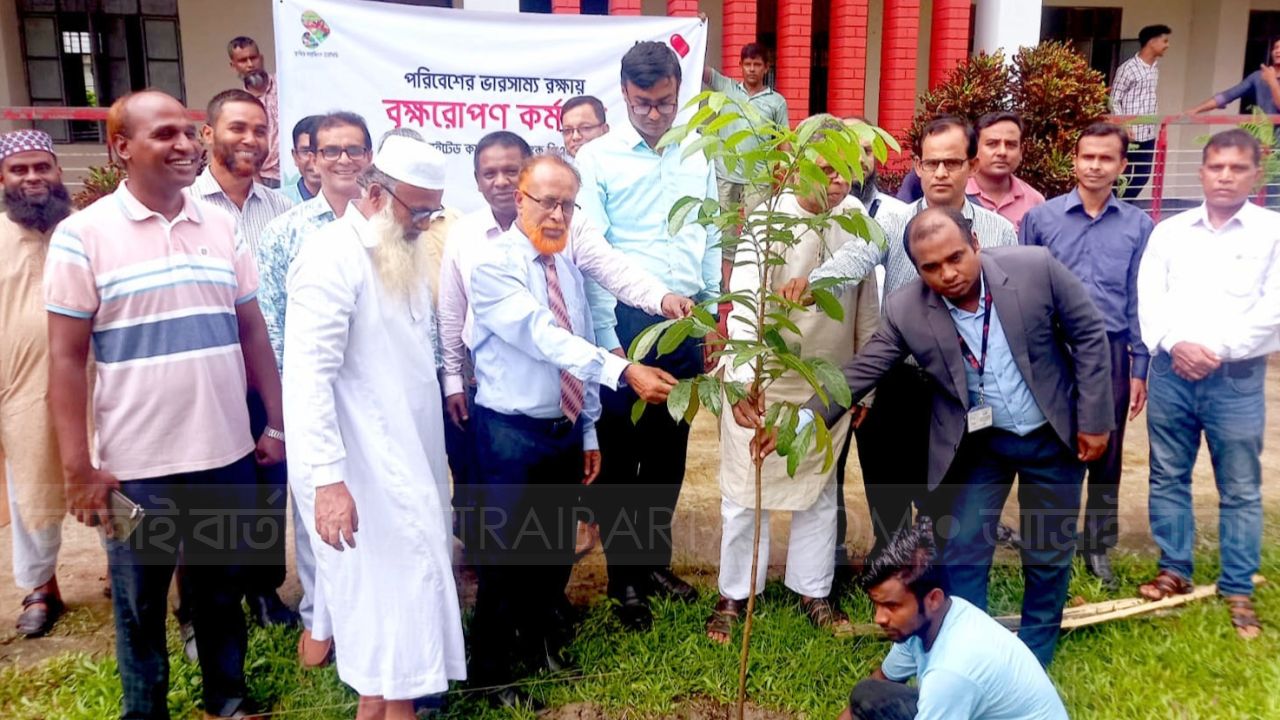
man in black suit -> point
(1021, 363)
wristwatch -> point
(273, 433)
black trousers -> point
(642, 466)
(526, 481)
(893, 450)
(1101, 511)
(460, 445)
(883, 700)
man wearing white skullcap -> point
(366, 433)
(35, 201)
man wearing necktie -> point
(538, 373)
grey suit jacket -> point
(1058, 339)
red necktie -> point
(571, 392)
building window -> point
(1093, 31)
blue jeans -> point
(209, 515)
(1229, 408)
(1049, 484)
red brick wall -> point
(624, 7)
(949, 39)
(795, 61)
(898, 69)
(738, 29)
(572, 7)
(847, 72)
(682, 8)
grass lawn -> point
(1187, 664)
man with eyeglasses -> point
(538, 372)
(304, 158)
(893, 448)
(582, 119)
(341, 146)
(362, 403)
(629, 187)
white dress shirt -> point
(594, 257)
(520, 349)
(1217, 288)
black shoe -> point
(1099, 566)
(633, 610)
(669, 584)
(269, 609)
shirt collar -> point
(630, 137)
(1138, 56)
(1074, 202)
(982, 298)
(361, 225)
(1017, 189)
(206, 184)
(923, 204)
(1241, 218)
(137, 212)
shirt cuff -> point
(322, 475)
(453, 385)
(607, 338)
(589, 440)
(654, 301)
(1138, 367)
(614, 367)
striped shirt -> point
(854, 261)
(162, 298)
(261, 207)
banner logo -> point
(317, 29)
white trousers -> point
(35, 554)
(810, 554)
(305, 559)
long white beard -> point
(401, 264)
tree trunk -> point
(751, 597)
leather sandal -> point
(1166, 584)
(40, 610)
(726, 613)
(1243, 617)
(822, 613)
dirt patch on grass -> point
(698, 708)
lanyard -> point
(979, 364)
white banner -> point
(456, 75)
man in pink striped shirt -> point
(161, 287)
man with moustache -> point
(235, 135)
(246, 61)
(304, 158)
(343, 147)
(363, 406)
(628, 189)
(1101, 240)
(161, 285)
(754, 66)
(35, 201)
(538, 371)
(994, 182)
(582, 119)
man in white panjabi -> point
(362, 403)
(811, 495)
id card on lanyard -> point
(980, 416)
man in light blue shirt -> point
(628, 188)
(538, 372)
(967, 665)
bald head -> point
(546, 196)
(150, 133)
(941, 244)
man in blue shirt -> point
(538, 374)
(967, 665)
(1101, 239)
(628, 188)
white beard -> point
(401, 264)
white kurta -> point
(362, 406)
(836, 341)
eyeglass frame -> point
(942, 162)
(567, 207)
(417, 216)
(342, 150)
(580, 131)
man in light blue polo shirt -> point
(967, 665)
(628, 189)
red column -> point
(682, 8)
(624, 7)
(847, 71)
(570, 7)
(898, 69)
(738, 27)
(949, 39)
(795, 55)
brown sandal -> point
(727, 612)
(1243, 617)
(822, 613)
(40, 610)
(1166, 584)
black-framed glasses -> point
(550, 204)
(417, 216)
(580, 131)
(644, 108)
(333, 152)
(951, 164)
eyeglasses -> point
(333, 152)
(580, 131)
(644, 108)
(417, 216)
(550, 204)
(951, 164)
